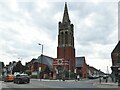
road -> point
(34, 83)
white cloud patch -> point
(100, 64)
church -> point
(65, 49)
(66, 64)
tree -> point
(28, 72)
(19, 68)
(3, 64)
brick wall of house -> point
(84, 70)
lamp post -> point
(42, 47)
(41, 61)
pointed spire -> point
(66, 15)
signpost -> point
(39, 69)
(75, 71)
(40, 72)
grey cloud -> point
(40, 19)
(22, 50)
(103, 26)
(85, 36)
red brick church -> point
(66, 64)
(65, 49)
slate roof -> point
(46, 60)
(49, 61)
(79, 61)
(117, 48)
(116, 51)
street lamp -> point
(42, 47)
(41, 61)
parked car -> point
(93, 77)
(3, 76)
(105, 76)
(8, 78)
(21, 78)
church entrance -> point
(60, 72)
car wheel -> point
(18, 82)
(28, 81)
(5, 80)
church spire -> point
(65, 15)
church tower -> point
(65, 49)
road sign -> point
(74, 70)
(39, 69)
(34, 73)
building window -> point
(66, 38)
(61, 38)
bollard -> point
(100, 80)
(106, 80)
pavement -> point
(58, 80)
(105, 84)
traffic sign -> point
(39, 69)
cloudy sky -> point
(25, 23)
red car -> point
(8, 78)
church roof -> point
(117, 48)
(80, 61)
(46, 60)
(49, 61)
(66, 15)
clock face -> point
(60, 62)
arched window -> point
(61, 39)
(66, 38)
(61, 33)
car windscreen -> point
(23, 75)
(17, 75)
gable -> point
(80, 61)
(117, 48)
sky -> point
(25, 23)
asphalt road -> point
(52, 84)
